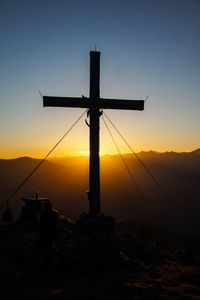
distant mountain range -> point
(65, 181)
(197, 151)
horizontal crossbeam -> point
(89, 103)
(121, 104)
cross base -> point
(96, 224)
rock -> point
(152, 293)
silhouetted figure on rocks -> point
(36, 195)
(48, 229)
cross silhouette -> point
(95, 104)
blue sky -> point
(148, 48)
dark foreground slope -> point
(65, 181)
(138, 270)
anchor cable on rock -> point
(6, 203)
(164, 193)
(146, 208)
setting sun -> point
(85, 153)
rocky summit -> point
(90, 259)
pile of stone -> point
(91, 243)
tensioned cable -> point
(147, 210)
(138, 158)
(142, 163)
(42, 161)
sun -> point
(86, 153)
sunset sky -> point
(148, 48)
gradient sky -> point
(148, 48)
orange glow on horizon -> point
(86, 153)
(80, 153)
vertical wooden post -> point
(94, 172)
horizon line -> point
(82, 155)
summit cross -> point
(95, 104)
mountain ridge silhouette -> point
(65, 181)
